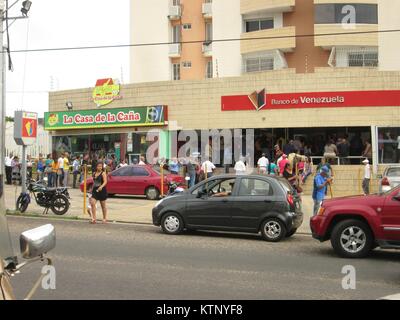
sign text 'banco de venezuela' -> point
(111, 118)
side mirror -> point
(200, 194)
(397, 197)
(36, 242)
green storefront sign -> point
(107, 118)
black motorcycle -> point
(56, 199)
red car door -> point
(390, 216)
(119, 181)
(139, 180)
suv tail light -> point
(385, 182)
(290, 200)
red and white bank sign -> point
(342, 99)
(25, 127)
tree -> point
(9, 119)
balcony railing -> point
(207, 49)
(175, 50)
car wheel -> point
(352, 239)
(291, 233)
(152, 193)
(273, 230)
(172, 223)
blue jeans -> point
(317, 205)
(192, 176)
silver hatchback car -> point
(390, 178)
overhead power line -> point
(202, 41)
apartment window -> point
(363, 59)
(176, 71)
(176, 2)
(261, 24)
(209, 70)
(209, 31)
(176, 34)
(207, 1)
(258, 64)
(187, 26)
(187, 64)
(333, 13)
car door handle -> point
(225, 200)
(268, 201)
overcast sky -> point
(72, 23)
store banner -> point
(344, 99)
(111, 118)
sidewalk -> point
(126, 209)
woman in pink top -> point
(282, 164)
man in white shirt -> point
(8, 164)
(367, 177)
(208, 167)
(142, 161)
(60, 172)
(240, 167)
(263, 164)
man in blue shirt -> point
(321, 181)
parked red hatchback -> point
(356, 225)
(138, 180)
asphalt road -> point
(139, 262)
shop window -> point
(389, 145)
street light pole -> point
(6, 251)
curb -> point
(76, 218)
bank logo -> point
(106, 91)
(155, 114)
(258, 99)
(29, 128)
(52, 120)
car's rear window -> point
(393, 172)
(157, 170)
(286, 186)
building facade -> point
(302, 70)
(228, 38)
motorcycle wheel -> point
(60, 205)
(22, 203)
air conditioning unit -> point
(207, 10)
(175, 12)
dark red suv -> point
(356, 225)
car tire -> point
(352, 239)
(273, 230)
(152, 193)
(172, 223)
(291, 233)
